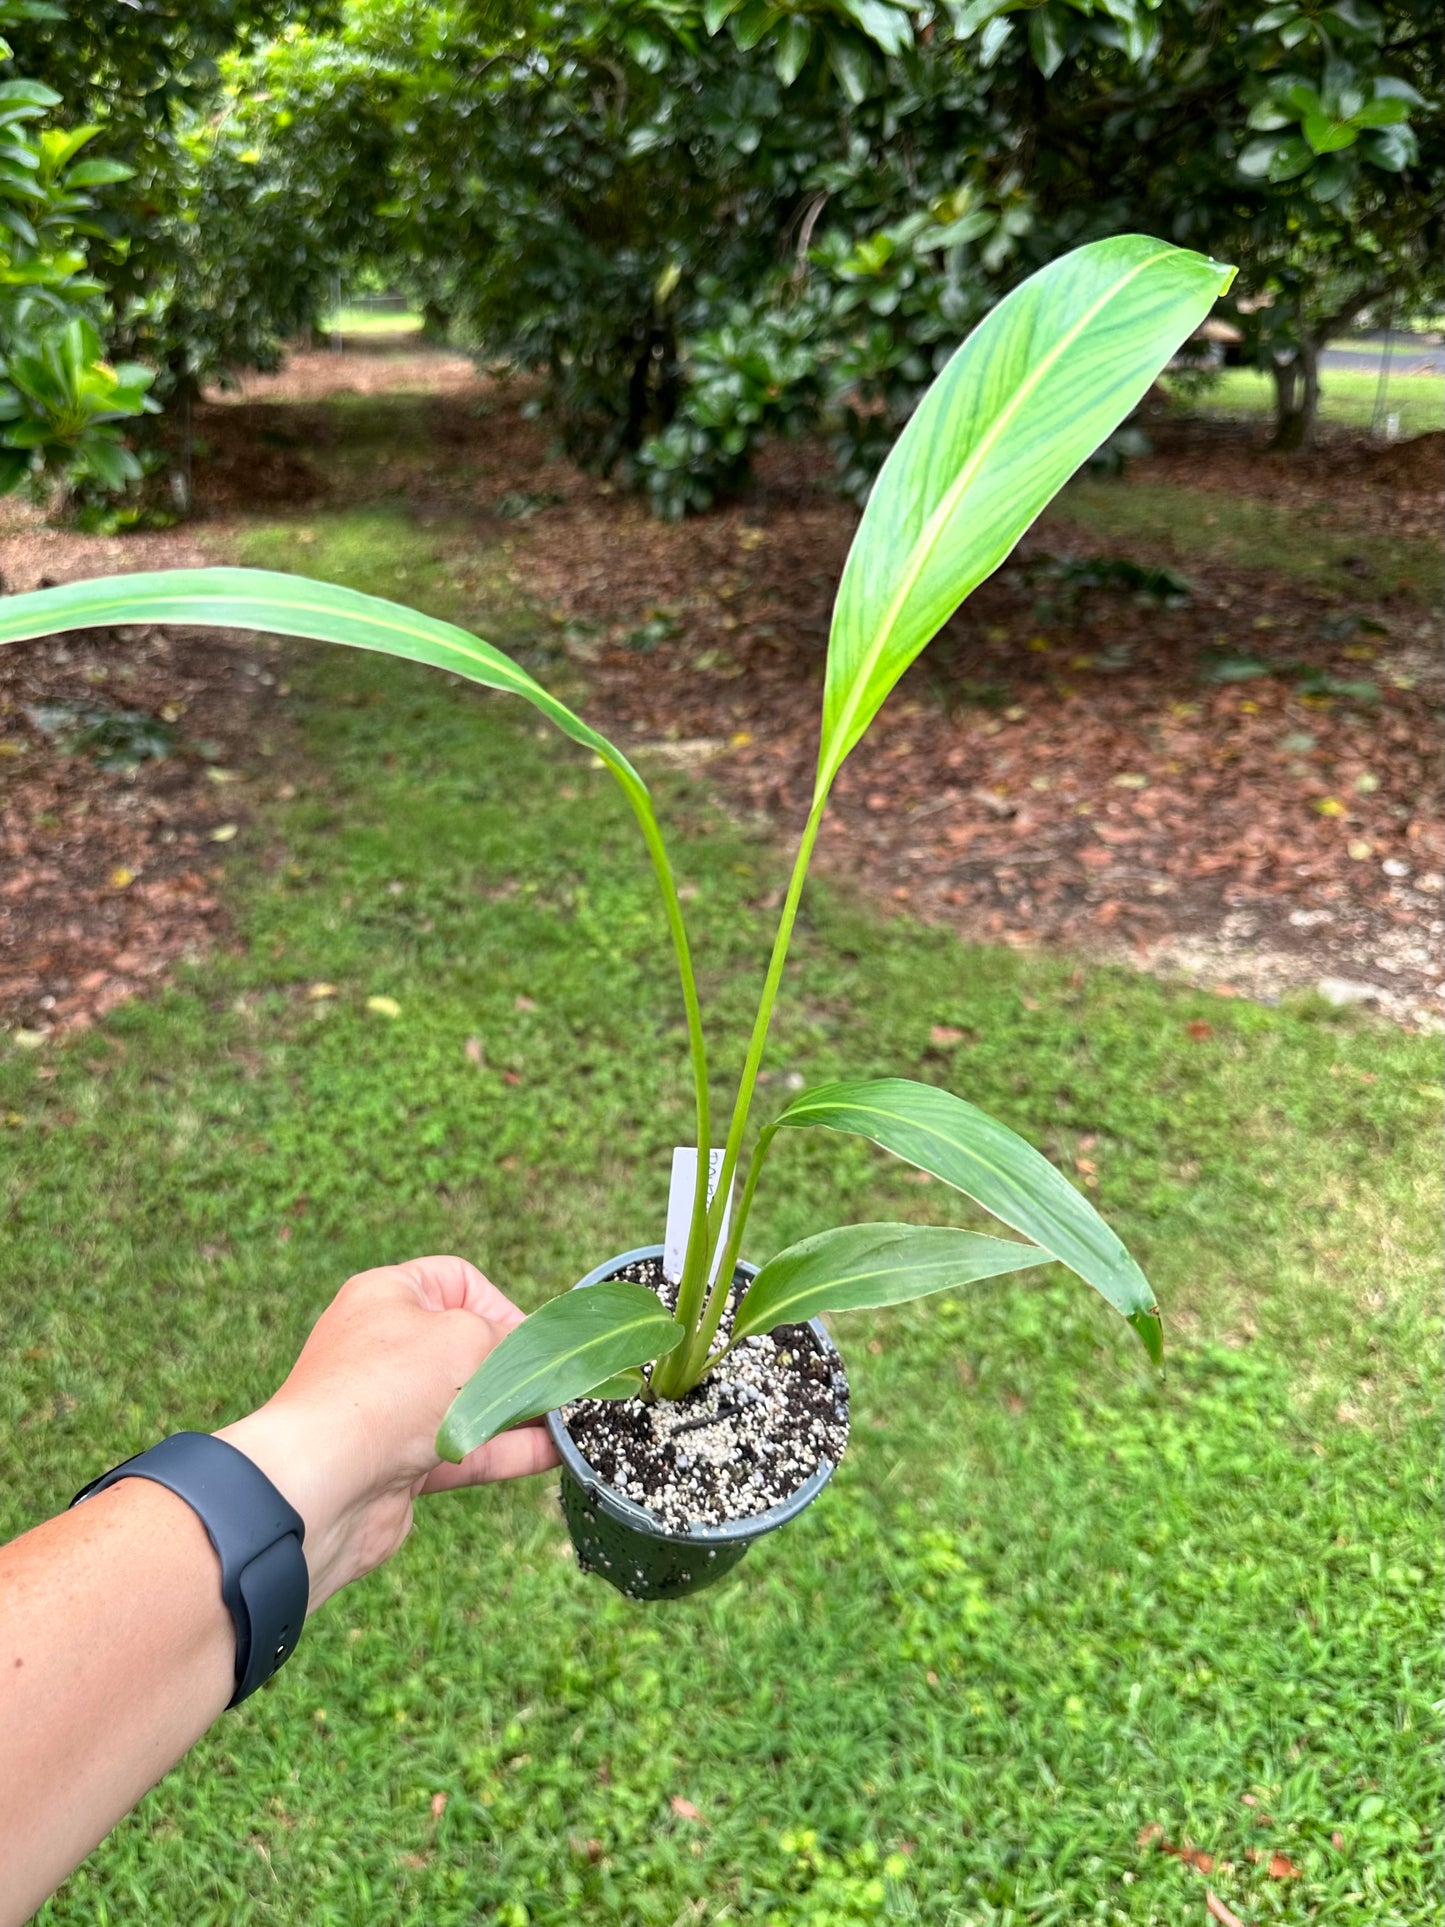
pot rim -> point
(642, 1518)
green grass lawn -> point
(1199, 527)
(1347, 396)
(371, 321)
(1048, 1605)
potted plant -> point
(696, 1411)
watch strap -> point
(257, 1536)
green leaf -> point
(98, 173)
(795, 38)
(624, 1385)
(748, 27)
(957, 1142)
(1325, 135)
(1392, 148)
(1385, 111)
(293, 605)
(1046, 42)
(1292, 156)
(27, 93)
(851, 65)
(1391, 87)
(1033, 391)
(872, 1264)
(566, 1349)
(890, 28)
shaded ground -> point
(1239, 782)
(117, 798)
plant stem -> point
(672, 909)
(698, 1363)
(685, 1372)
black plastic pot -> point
(629, 1546)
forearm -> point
(117, 1650)
(116, 1654)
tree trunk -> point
(1297, 398)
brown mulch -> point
(1346, 482)
(383, 365)
(1068, 776)
(109, 875)
(1050, 772)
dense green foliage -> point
(702, 226)
(1049, 1603)
(201, 276)
(60, 400)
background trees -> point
(703, 223)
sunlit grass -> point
(371, 321)
(1348, 396)
(1198, 527)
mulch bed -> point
(1352, 482)
(1060, 771)
(109, 874)
(1059, 768)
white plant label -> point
(679, 1209)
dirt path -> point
(1238, 784)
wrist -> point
(279, 1441)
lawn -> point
(361, 320)
(1348, 396)
(1203, 528)
(1057, 1630)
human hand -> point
(349, 1438)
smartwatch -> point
(257, 1537)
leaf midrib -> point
(1014, 1187)
(638, 1323)
(933, 528)
(887, 1271)
(454, 638)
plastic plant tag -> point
(679, 1209)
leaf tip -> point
(1150, 1327)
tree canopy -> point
(703, 221)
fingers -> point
(512, 1455)
(451, 1284)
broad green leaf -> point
(566, 1349)
(98, 173)
(795, 40)
(851, 65)
(624, 1385)
(957, 1142)
(748, 27)
(1033, 391)
(861, 1265)
(889, 27)
(1326, 135)
(294, 605)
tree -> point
(1304, 141)
(61, 401)
(699, 225)
(148, 73)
